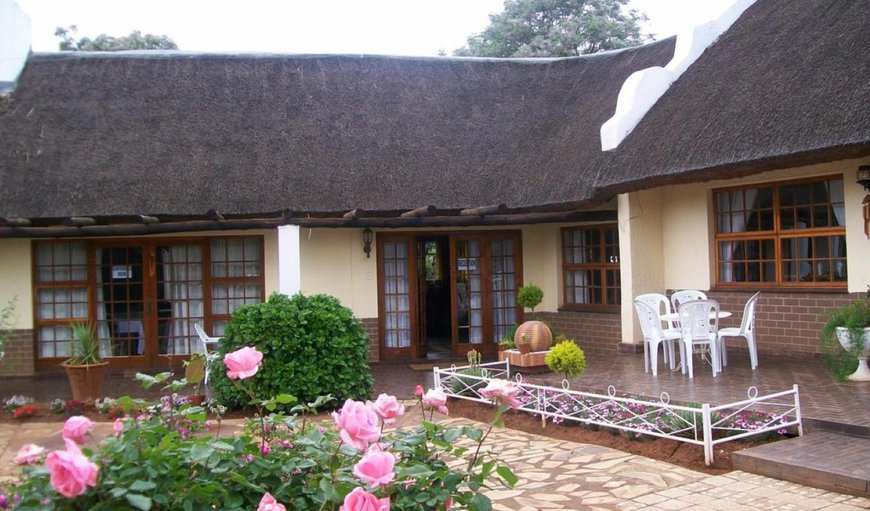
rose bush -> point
(275, 463)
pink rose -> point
(242, 363)
(29, 453)
(418, 391)
(361, 500)
(375, 468)
(436, 398)
(502, 391)
(268, 503)
(71, 472)
(388, 408)
(76, 427)
(118, 426)
(358, 424)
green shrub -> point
(313, 346)
(566, 358)
(530, 296)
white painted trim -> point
(289, 260)
(643, 88)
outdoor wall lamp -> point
(367, 240)
(864, 176)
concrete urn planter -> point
(863, 371)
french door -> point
(484, 274)
(143, 297)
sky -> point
(389, 27)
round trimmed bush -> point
(311, 345)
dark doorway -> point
(435, 295)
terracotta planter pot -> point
(535, 332)
(196, 399)
(524, 348)
(86, 380)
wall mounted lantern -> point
(367, 241)
(863, 177)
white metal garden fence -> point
(703, 424)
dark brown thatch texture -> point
(181, 134)
(787, 85)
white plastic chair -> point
(653, 335)
(662, 305)
(699, 323)
(746, 330)
(209, 347)
(687, 295)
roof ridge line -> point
(642, 89)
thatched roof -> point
(787, 85)
(108, 135)
(305, 139)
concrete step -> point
(821, 459)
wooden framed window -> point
(789, 234)
(590, 267)
(143, 296)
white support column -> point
(289, 260)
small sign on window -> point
(122, 272)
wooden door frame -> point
(412, 352)
(484, 237)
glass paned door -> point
(180, 302)
(504, 287)
(121, 321)
(397, 277)
(468, 292)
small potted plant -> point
(86, 367)
(524, 345)
(507, 344)
(850, 326)
(194, 374)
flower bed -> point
(280, 461)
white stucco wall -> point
(14, 40)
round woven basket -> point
(536, 332)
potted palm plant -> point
(86, 367)
(850, 326)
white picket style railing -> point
(704, 425)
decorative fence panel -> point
(703, 424)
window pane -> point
(590, 255)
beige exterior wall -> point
(685, 227)
(333, 263)
(641, 253)
(15, 280)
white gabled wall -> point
(643, 88)
(14, 40)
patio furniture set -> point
(689, 321)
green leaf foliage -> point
(530, 296)
(566, 358)
(855, 317)
(557, 28)
(311, 345)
